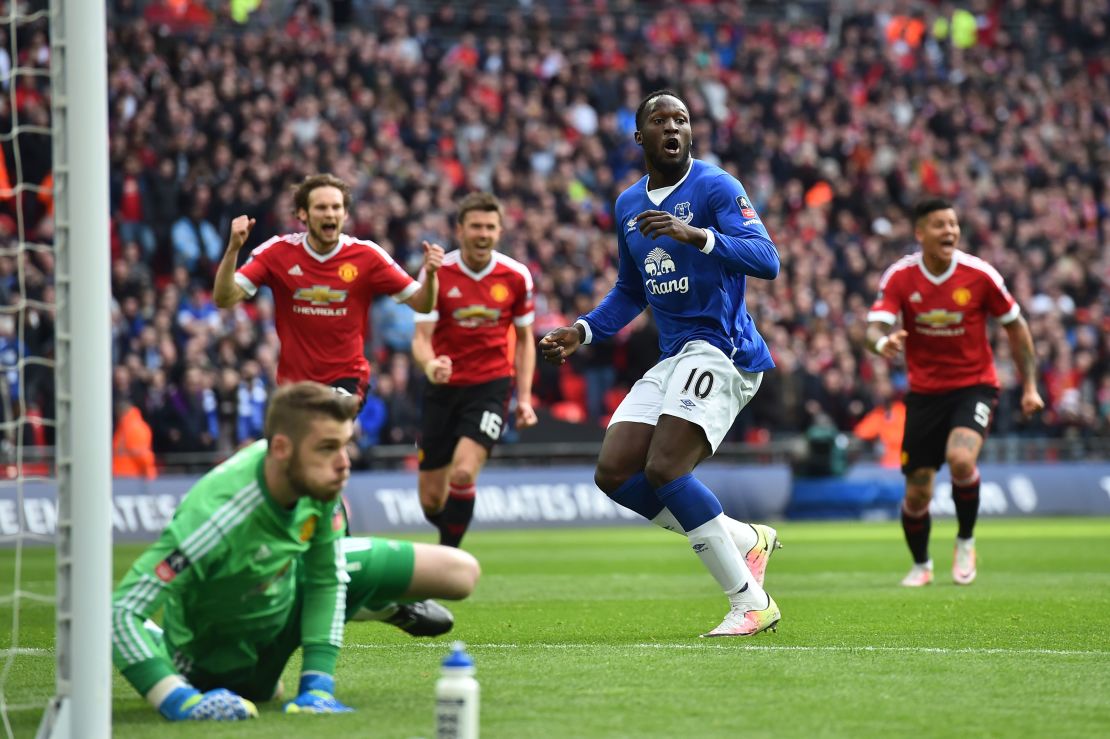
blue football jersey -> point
(694, 294)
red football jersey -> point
(945, 317)
(322, 302)
(472, 315)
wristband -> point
(583, 334)
(881, 343)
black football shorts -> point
(931, 417)
(453, 411)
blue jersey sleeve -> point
(625, 300)
(740, 239)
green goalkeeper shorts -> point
(381, 571)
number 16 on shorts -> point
(490, 425)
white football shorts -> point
(698, 384)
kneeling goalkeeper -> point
(254, 565)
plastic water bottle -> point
(457, 696)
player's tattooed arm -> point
(1025, 357)
(1021, 345)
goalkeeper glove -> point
(186, 703)
(316, 696)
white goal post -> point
(79, 98)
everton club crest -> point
(683, 213)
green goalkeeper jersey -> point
(227, 570)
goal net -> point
(55, 422)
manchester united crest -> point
(499, 292)
(348, 272)
(962, 296)
(308, 529)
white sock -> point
(718, 552)
(742, 534)
(666, 520)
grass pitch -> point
(593, 633)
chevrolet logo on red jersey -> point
(320, 295)
(476, 311)
(939, 318)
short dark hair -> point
(927, 206)
(292, 406)
(641, 112)
(304, 188)
(484, 201)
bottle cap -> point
(458, 656)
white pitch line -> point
(26, 651)
(31, 652)
(16, 707)
(755, 648)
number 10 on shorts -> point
(702, 386)
(490, 425)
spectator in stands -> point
(132, 439)
(198, 313)
(191, 414)
(132, 209)
(196, 243)
(884, 424)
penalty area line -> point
(731, 645)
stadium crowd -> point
(835, 123)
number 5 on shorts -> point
(982, 414)
(490, 425)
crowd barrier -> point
(565, 496)
(1026, 489)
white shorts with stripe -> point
(699, 384)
